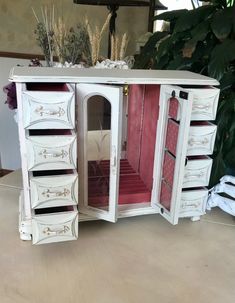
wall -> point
(17, 22)
(9, 146)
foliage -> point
(45, 34)
(202, 40)
(78, 46)
(54, 38)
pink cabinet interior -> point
(136, 163)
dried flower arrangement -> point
(45, 34)
(74, 45)
(10, 91)
(71, 45)
(53, 36)
(95, 36)
(118, 46)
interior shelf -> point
(131, 188)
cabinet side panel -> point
(135, 118)
(150, 119)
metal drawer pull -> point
(48, 193)
(45, 154)
(192, 142)
(199, 175)
(200, 106)
(195, 205)
(47, 112)
(50, 232)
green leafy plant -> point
(202, 40)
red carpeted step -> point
(131, 188)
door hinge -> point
(126, 90)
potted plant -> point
(202, 40)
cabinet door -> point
(171, 147)
(99, 128)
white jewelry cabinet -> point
(108, 144)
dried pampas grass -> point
(118, 46)
(95, 37)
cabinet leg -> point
(25, 226)
(25, 237)
(195, 218)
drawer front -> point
(49, 228)
(204, 107)
(193, 203)
(205, 102)
(51, 152)
(197, 173)
(51, 191)
(201, 140)
(48, 110)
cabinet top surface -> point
(114, 76)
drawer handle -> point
(48, 193)
(192, 142)
(45, 154)
(185, 205)
(202, 106)
(199, 175)
(54, 232)
(47, 112)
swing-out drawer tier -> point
(201, 138)
(196, 171)
(53, 108)
(53, 190)
(55, 224)
(193, 202)
(204, 107)
(51, 152)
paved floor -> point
(137, 260)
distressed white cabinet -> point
(107, 144)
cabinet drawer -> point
(205, 102)
(197, 172)
(53, 190)
(55, 224)
(49, 152)
(204, 107)
(49, 109)
(193, 202)
(201, 139)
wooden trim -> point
(21, 55)
(4, 172)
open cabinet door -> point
(99, 147)
(170, 157)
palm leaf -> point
(222, 23)
(220, 58)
